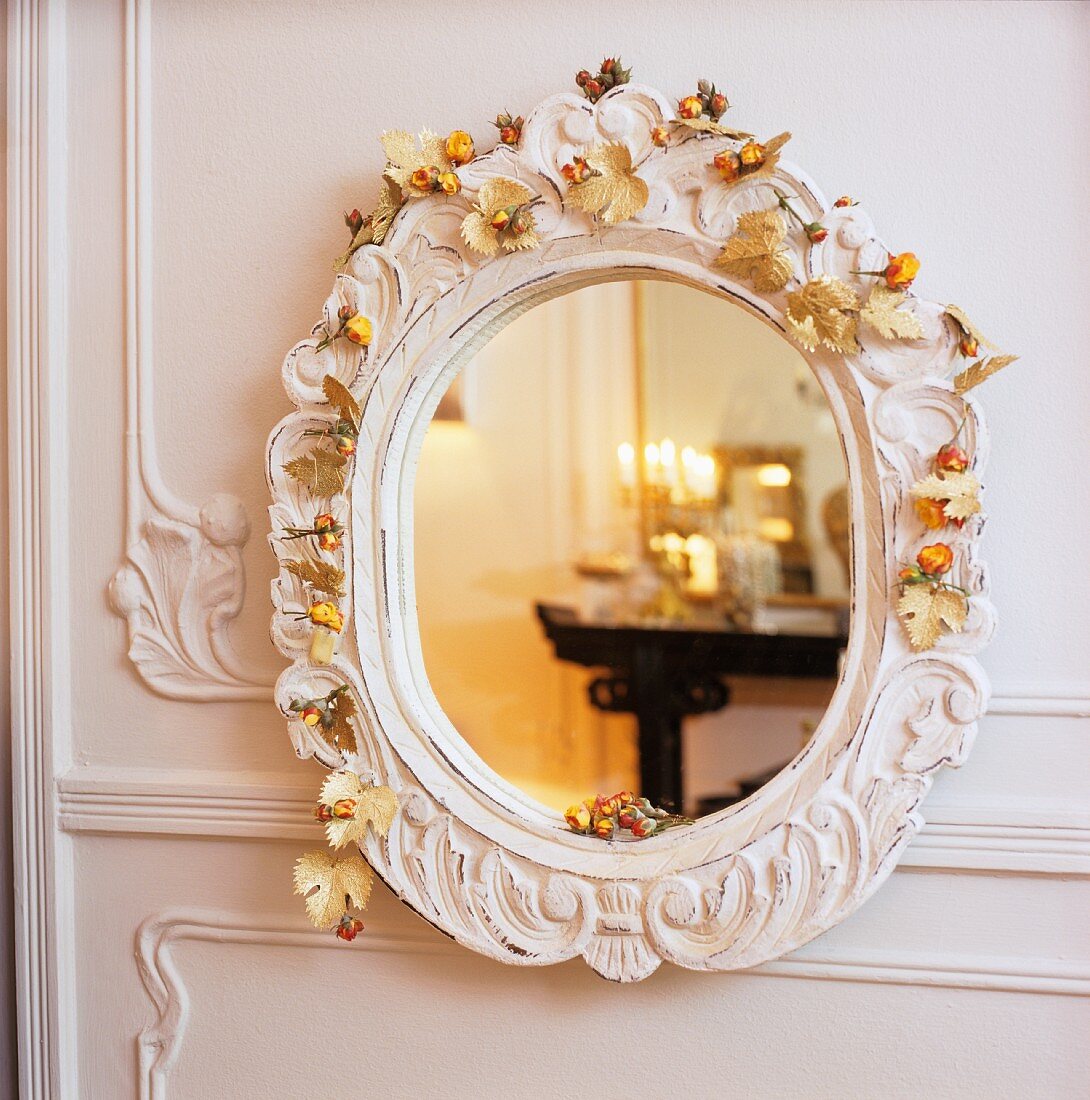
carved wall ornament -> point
(474, 856)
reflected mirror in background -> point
(631, 550)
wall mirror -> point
(709, 525)
(627, 573)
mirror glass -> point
(631, 550)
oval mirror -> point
(631, 551)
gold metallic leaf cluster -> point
(375, 225)
(883, 313)
(340, 397)
(926, 608)
(321, 471)
(330, 885)
(959, 315)
(772, 149)
(755, 251)
(960, 491)
(404, 156)
(703, 124)
(375, 806)
(980, 372)
(320, 575)
(341, 736)
(616, 193)
(496, 194)
(823, 312)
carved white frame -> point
(469, 852)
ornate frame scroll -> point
(474, 856)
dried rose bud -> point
(358, 329)
(577, 171)
(952, 457)
(311, 715)
(323, 812)
(577, 817)
(329, 542)
(628, 817)
(816, 232)
(582, 77)
(660, 136)
(969, 345)
(344, 809)
(459, 147)
(425, 179)
(501, 219)
(509, 135)
(325, 521)
(520, 223)
(935, 560)
(345, 445)
(901, 270)
(644, 827)
(594, 89)
(932, 512)
(752, 155)
(911, 574)
(344, 313)
(354, 220)
(845, 200)
(608, 64)
(605, 828)
(717, 105)
(692, 106)
(449, 183)
(349, 928)
(728, 165)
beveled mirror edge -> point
(467, 860)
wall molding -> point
(183, 581)
(159, 1044)
(1035, 841)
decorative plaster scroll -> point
(479, 859)
(183, 580)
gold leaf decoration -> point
(980, 372)
(340, 397)
(374, 805)
(959, 315)
(404, 156)
(616, 192)
(755, 250)
(342, 736)
(321, 471)
(883, 313)
(925, 608)
(706, 125)
(500, 194)
(390, 198)
(320, 575)
(823, 312)
(758, 159)
(330, 885)
(959, 490)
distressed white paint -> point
(247, 190)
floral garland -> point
(604, 183)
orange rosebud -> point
(660, 136)
(910, 574)
(645, 826)
(425, 179)
(845, 200)
(752, 155)
(325, 613)
(346, 446)
(728, 164)
(605, 828)
(952, 457)
(594, 89)
(344, 809)
(577, 817)
(501, 219)
(449, 183)
(935, 560)
(932, 512)
(509, 135)
(329, 542)
(358, 329)
(608, 807)
(815, 232)
(577, 171)
(311, 715)
(969, 346)
(323, 812)
(325, 521)
(628, 817)
(901, 270)
(692, 106)
(718, 104)
(459, 147)
(349, 928)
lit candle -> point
(651, 464)
(668, 454)
(703, 571)
(626, 456)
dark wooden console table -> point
(662, 673)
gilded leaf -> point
(404, 156)
(375, 806)
(772, 149)
(925, 608)
(340, 397)
(321, 471)
(616, 193)
(755, 251)
(823, 312)
(390, 198)
(883, 313)
(706, 125)
(341, 735)
(330, 885)
(496, 194)
(980, 372)
(963, 321)
(960, 491)
(320, 575)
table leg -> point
(659, 726)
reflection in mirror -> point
(631, 552)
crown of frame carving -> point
(473, 855)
